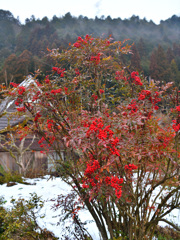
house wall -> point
(38, 161)
(7, 162)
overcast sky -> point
(154, 10)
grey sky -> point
(155, 10)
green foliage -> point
(10, 177)
(166, 233)
(20, 221)
(1, 169)
(2, 213)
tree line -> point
(23, 47)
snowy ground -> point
(50, 189)
(47, 190)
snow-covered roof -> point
(8, 106)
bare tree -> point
(17, 151)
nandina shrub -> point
(120, 161)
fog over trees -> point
(23, 47)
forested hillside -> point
(23, 47)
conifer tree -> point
(159, 67)
(135, 59)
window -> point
(53, 159)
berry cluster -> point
(59, 71)
(56, 91)
(136, 78)
(130, 167)
(81, 42)
(96, 59)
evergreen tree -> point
(9, 69)
(141, 46)
(174, 73)
(135, 59)
(24, 65)
(159, 67)
(170, 55)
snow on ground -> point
(48, 190)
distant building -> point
(38, 162)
